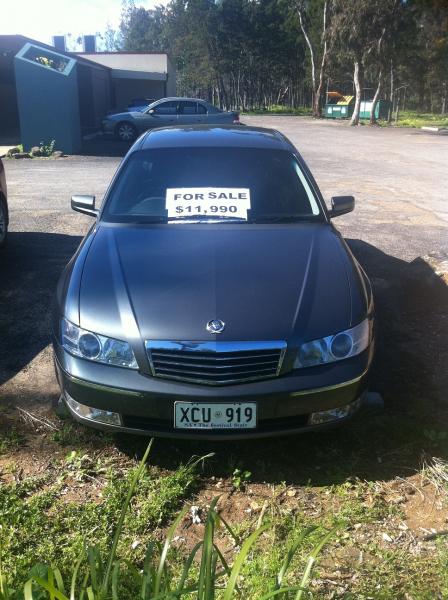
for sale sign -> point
(208, 201)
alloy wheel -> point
(126, 132)
(3, 221)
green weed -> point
(10, 440)
(103, 572)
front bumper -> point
(108, 127)
(146, 403)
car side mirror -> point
(84, 204)
(340, 205)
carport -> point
(136, 75)
(48, 94)
(9, 113)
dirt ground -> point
(399, 233)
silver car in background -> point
(4, 215)
(167, 112)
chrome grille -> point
(215, 363)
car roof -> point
(239, 136)
(171, 98)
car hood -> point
(266, 282)
(124, 115)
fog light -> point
(93, 414)
(334, 414)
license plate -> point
(228, 415)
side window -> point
(213, 109)
(187, 108)
(166, 108)
(202, 110)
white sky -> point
(40, 19)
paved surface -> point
(399, 178)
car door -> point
(163, 114)
(191, 112)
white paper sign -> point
(208, 201)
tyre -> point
(126, 131)
(3, 222)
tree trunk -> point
(443, 110)
(313, 65)
(421, 95)
(391, 108)
(397, 107)
(375, 99)
(317, 88)
(318, 92)
(357, 82)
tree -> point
(245, 54)
(304, 10)
(142, 30)
(360, 28)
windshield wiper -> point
(282, 218)
(148, 220)
(210, 217)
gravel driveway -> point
(398, 176)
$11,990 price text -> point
(200, 210)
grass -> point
(277, 109)
(42, 527)
(10, 440)
(105, 573)
(406, 118)
(341, 481)
(40, 524)
(409, 118)
(415, 119)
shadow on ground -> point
(30, 266)
(410, 371)
(104, 146)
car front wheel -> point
(3, 223)
(126, 132)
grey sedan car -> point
(212, 296)
(4, 216)
(166, 113)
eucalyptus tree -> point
(313, 18)
(361, 30)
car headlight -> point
(334, 347)
(98, 348)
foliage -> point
(411, 118)
(10, 440)
(98, 574)
(248, 55)
(47, 148)
(278, 109)
(240, 478)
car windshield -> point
(246, 185)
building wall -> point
(9, 114)
(47, 101)
(171, 89)
(154, 66)
(128, 89)
(102, 94)
(157, 63)
(95, 97)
